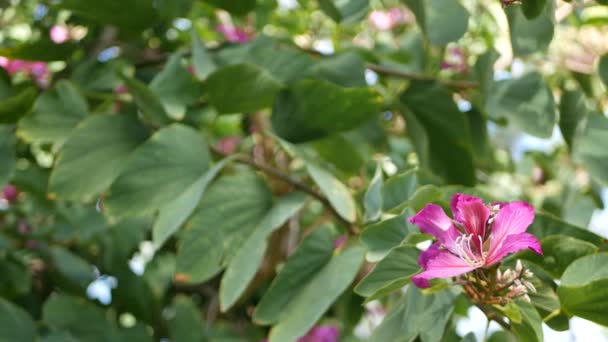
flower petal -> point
(432, 220)
(429, 254)
(471, 212)
(512, 218)
(514, 243)
(443, 265)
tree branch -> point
(291, 181)
(419, 77)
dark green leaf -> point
(391, 273)
(13, 108)
(56, 112)
(238, 7)
(313, 109)
(16, 323)
(449, 147)
(572, 110)
(532, 8)
(584, 288)
(530, 328)
(78, 173)
(7, 154)
(247, 260)
(545, 225)
(230, 210)
(381, 237)
(241, 88)
(310, 256)
(147, 101)
(75, 269)
(530, 36)
(130, 15)
(588, 148)
(344, 11)
(372, 202)
(345, 69)
(186, 325)
(305, 309)
(603, 69)
(160, 170)
(175, 87)
(526, 102)
(202, 61)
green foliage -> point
(242, 170)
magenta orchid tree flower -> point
(478, 236)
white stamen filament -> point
(466, 253)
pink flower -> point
(228, 145)
(59, 34)
(10, 193)
(321, 333)
(38, 70)
(386, 20)
(478, 236)
(234, 34)
(455, 60)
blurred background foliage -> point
(229, 170)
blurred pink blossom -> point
(386, 20)
(321, 333)
(455, 60)
(59, 34)
(228, 145)
(10, 193)
(38, 70)
(340, 241)
(234, 34)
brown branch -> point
(291, 181)
(420, 77)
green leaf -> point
(146, 100)
(40, 50)
(230, 210)
(583, 289)
(527, 102)
(130, 15)
(82, 319)
(312, 109)
(286, 64)
(372, 200)
(75, 269)
(78, 173)
(248, 258)
(336, 192)
(484, 72)
(446, 21)
(16, 323)
(176, 212)
(532, 8)
(238, 7)
(14, 107)
(160, 170)
(530, 36)
(588, 148)
(341, 152)
(559, 251)
(175, 87)
(344, 11)
(545, 225)
(202, 61)
(55, 113)
(241, 88)
(530, 328)
(310, 256)
(186, 325)
(391, 273)
(8, 156)
(417, 314)
(381, 237)
(398, 189)
(448, 148)
(345, 69)
(316, 297)
(572, 110)
(602, 69)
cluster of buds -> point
(516, 283)
(501, 288)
